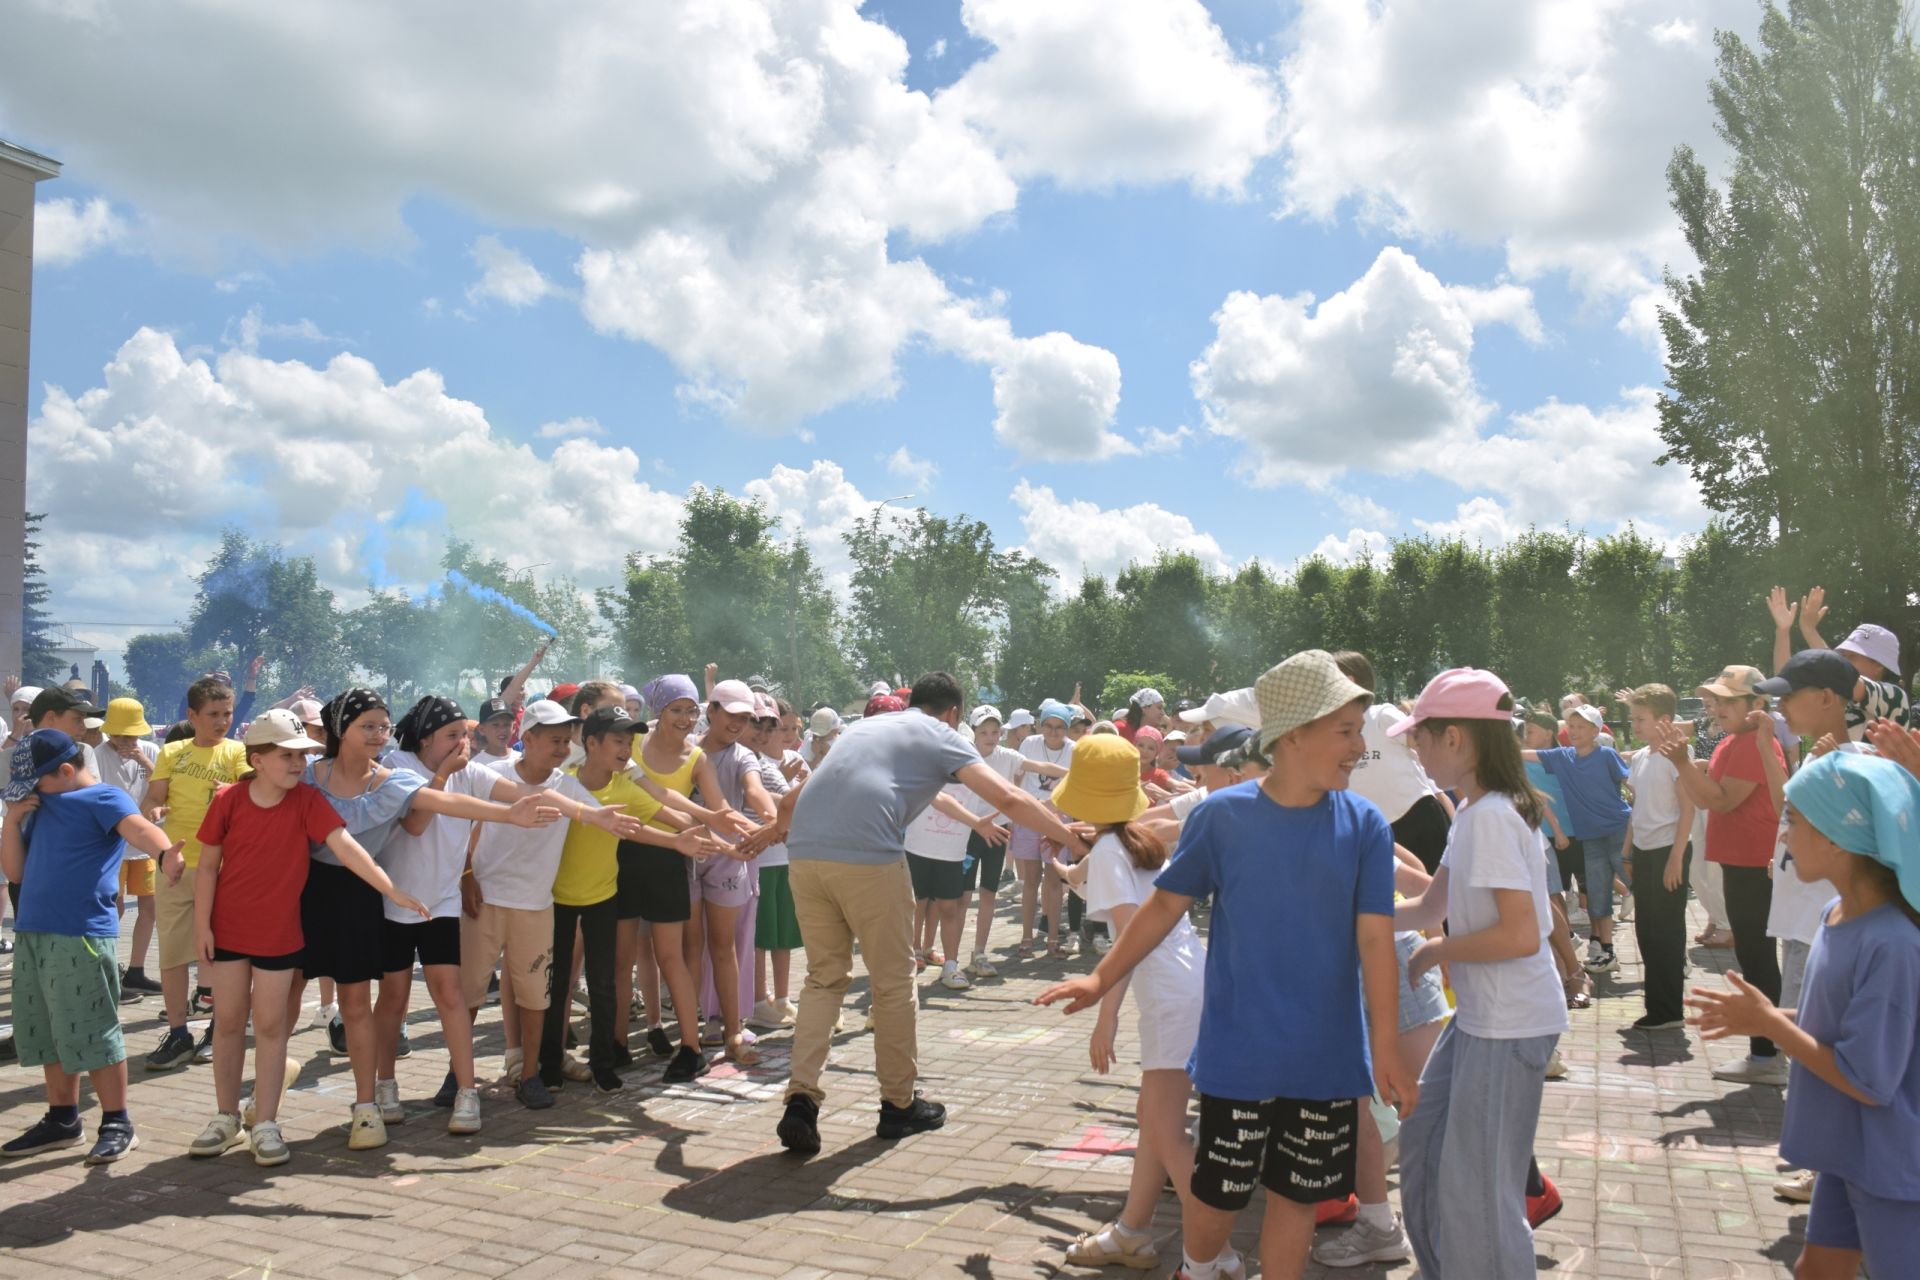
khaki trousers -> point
(839, 904)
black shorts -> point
(653, 885)
(1422, 831)
(985, 865)
(344, 921)
(1300, 1151)
(936, 880)
(271, 964)
(435, 941)
(1573, 865)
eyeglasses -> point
(375, 730)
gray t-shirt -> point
(881, 773)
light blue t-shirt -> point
(72, 875)
(1282, 1016)
(881, 773)
(371, 816)
(1549, 786)
(1590, 785)
(1862, 998)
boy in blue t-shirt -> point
(63, 839)
(1301, 874)
(1590, 776)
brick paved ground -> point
(1666, 1172)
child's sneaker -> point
(532, 1094)
(1752, 1070)
(247, 1113)
(768, 1016)
(367, 1130)
(221, 1135)
(386, 1096)
(203, 1052)
(175, 1050)
(45, 1135)
(1544, 1206)
(337, 1031)
(116, 1139)
(981, 966)
(269, 1148)
(1797, 1187)
(1362, 1244)
(658, 1043)
(952, 979)
(1602, 960)
(1556, 1067)
(323, 1015)
(513, 1064)
(466, 1112)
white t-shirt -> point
(1656, 798)
(1185, 802)
(1492, 847)
(1798, 906)
(127, 776)
(516, 865)
(428, 865)
(1035, 748)
(1003, 761)
(1388, 774)
(934, 835)
(487, 760)
(1172, 972)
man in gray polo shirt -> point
(845, 831)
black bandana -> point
(337, 715)
(427, 717)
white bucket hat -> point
(1876, 642)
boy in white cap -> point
(1283, 1052)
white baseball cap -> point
(1148, 697)
(544, 713)
(1591, 714)
(1237, 706)
(1020, 719)
(825, 722)
(1876, 642)
(1178, 735)
(278, 727)
(983, 713)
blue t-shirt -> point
(1590, 787)
(1862, 998)
(1282, 1016)
(1549, 786)
(370, 817)
(881, 773)
(72, 876)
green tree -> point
(1462, 586)
(647, 620)
(1538, 615)
(1626, 640)
(1407, 620)
(1794, 352)
(1719, 599)
(1165, 623)
(156, 664)
(1256, 619)
(38, 665)
(1122, 685)
(925, 594)
(253, 599)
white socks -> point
(1378, 1216)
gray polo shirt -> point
(881, 773)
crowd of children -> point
(672, 846)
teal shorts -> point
(66, 1002)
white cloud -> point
(1356, 543)
(65, 231)
(252, 326)
(569, 428)
(1370, 378)
(1357, 506)
(1081, 538)
(1056, 396)
(1543, 126)
(1154, 440)
(1477, 520)
(328, 460)
(1095, 93)
(918, 472)
(506, 276)
(937, 50)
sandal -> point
(1579, 992)
(742, 1054)
(1056, 952)
(1090, 1250)
(1024, 950)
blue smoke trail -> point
(487, 595)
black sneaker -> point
(337, 1034)
(135, 978)
(622, 1057)
(8, 1052)
(116, 1139)
(658, 1043)
(799, 1128)
(448, 1088)
(688, 1064)
(202, 1000)
(606, 1080)
(175, 1050)
(553, 1078)
(1651, 1023)
(203, 1052)
(405, 1047)
(533, 1094)
(920, 1116)
(129, 996)
(44, 1136)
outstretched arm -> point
(1148, 928)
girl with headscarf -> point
(340, 914)
(1853, 1104)
(1046, 759)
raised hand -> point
(1743, 1011)
(1900, 745)
(1813, 611)
(1782, 609)
(1827, 743)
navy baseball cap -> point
(37, 755)
(1217, 744)
(1813, 669)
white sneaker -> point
(574, 1069)
(1361, 1244)
(953, 980)
(769, 1016)
(981, 966)
(1102, 943)
(1556, 1069)
(323, 1015)
(286, 1082)
(1751, 1070)
(1797, 1187)
(868, 1025)
(367, 1130)
(269, 1148)
(466, 1112)
(386, 1096)
(221, 1135)
(515, 1063)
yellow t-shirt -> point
(590, 860)
(192, 775)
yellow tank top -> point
(679, 781)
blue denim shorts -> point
(1423, 1001)
(1605, 863)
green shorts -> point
(776, 928)
(66, 1002)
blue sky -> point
(362, 286)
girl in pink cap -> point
(1491, 890)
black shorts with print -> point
(1303, 1151)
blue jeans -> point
(1464, 1154)
(1605, 861)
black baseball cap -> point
(1218, 743)
(492, 708)
(53, 701)
(1808, 669)
(610, 719)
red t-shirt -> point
(263, 865)
(1744, 838)
(1158, 777)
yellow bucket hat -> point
(1102, 785)
(126, 718)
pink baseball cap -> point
(1464, 693)
(764, 707)
(733, 697)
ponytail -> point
(1147, 851)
